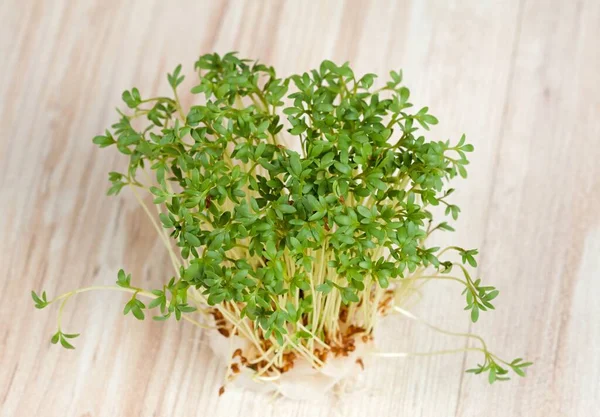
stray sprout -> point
(296, 250)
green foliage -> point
(136, 307)
(174, 79)
(171, 300)
(123, 280)
(363, 181)
(497, 372)
(40, 302)
(270, 228)
(177, 305)
(61, 337)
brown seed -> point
(237, 352)
(344, 315)
(221, 391)
(235, 368)
(217, 314)
(359, 361)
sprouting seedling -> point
(298, 248)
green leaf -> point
(343, 168)
(192, 239)
(174, 78)
(103, 141)
(166, 221)
(491, 295)
(270, 250)
(123, 280)
(40, 302)
(295, 164)
(325, 288)
(137, 313)
(135, 306)
(429, 119)
(156, 191)
(155, 303)
(343, 220)
(298, 129)
(474, 314)
(132, 98)
(184, 308)
(365, 212)
(288, 209)
(317, 216)
(492, 375)
(66, 344)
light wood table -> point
(521, 79)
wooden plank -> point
(541, 242)
(65, 65)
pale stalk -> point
(172, 256)
(137, 291)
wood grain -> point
(520, 78)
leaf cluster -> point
(496, 372)
(363, 180)
(61, 337)
(271, 228)
(171, 300)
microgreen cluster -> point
(299, 206)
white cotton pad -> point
(302, 382)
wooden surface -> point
(521, 79)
